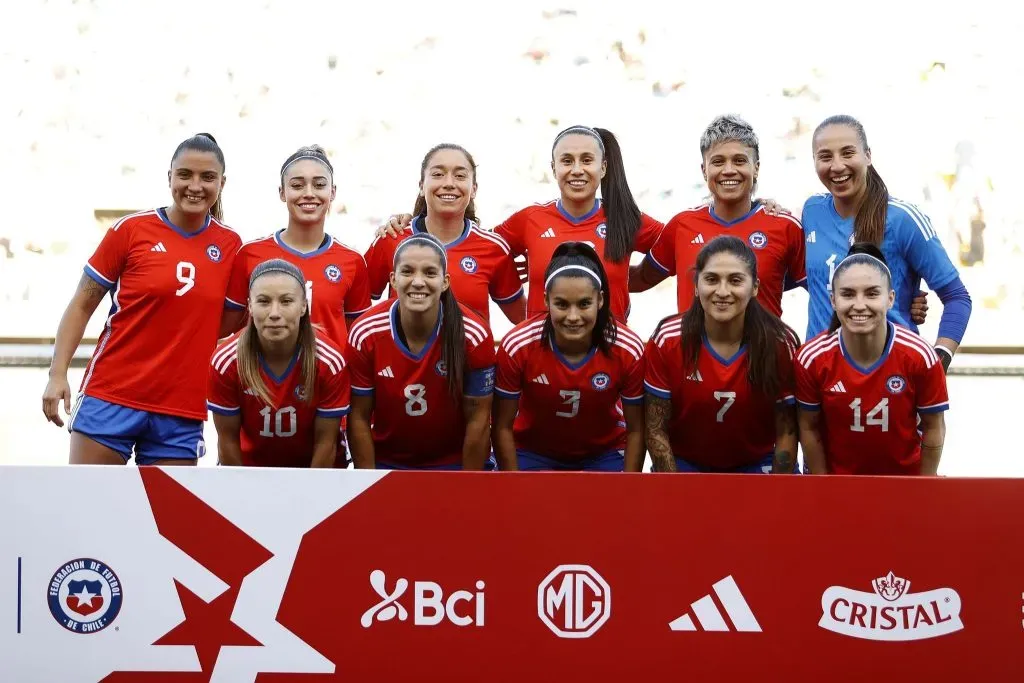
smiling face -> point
(725, 287)
(841, 161)
(448, 183)
(308, 190)
(277, 303)
(730, 170)
(419, 278)
(862, 296)
(578, 167)
(573, 304)
(196, 179)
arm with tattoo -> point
(658, 411)
(784, 459)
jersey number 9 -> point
(186, 273)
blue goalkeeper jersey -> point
(910, 245)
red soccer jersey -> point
(869, 415)
(336, 283)
(538, 230)
(718, 420)
(282, 435)
(479, 263)
(416, 421)
(168, 294)
(777, 241)
(569, 411)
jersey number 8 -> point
(417, 403)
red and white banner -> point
(240, 575)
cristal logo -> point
(574, 601)
(892, 612)
(430, 606)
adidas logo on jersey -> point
(838, 388)
(550, 232)
(250, 392)
(699, 239)
(710, 619)
(159, 246)
(811, 237)
(386, 372)
(695, 376)
(541, 379)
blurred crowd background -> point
(98, 93)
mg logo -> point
(430, 605)
(574, 601)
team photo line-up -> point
(300, 368)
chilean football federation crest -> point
(895, 384)
(332, 273)
(600, 381)
(468, 264)
(758, 240)
(300, 392)
(84, 595)
(441, 368)
(602, 231)
(213, 252)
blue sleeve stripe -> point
(937, 408)
(95, 275)
(634, 400)
(654, 262)
(658, 391)
(333, 412)
(787, 400)
(362, 391)
(352, 315)
(811, 407)
(510, 299)
(513, 395)
(233, 305)
(222, 410)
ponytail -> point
(763, 333)
(204, 142)
(869, 223)
(453, 337)
(620, 209)
(420, 207)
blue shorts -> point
(152, 435)
(762, 467)
(489, 465)
(615, 461)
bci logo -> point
(574, 601)
(430, 606)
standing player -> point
(858, 208)
(167, 270)
(720, 376)
(582, 159)
(336, 283)
(731, 163)
(562, 374)
(278, 389)
(863, 387)
(422, 370)
(445, 209)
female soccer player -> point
(731, 164)
(445, 209)
(582, 159)
(422, 371)
(336, 282)
(562, 374)
(167, 271)
(858, 208)
(862, 388)
(720, 376)
(278, 389)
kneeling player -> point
(719, 376)
(862, 388)
(422, 371)
(278, 389)
(562, 374)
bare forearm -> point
(505, 449)
(477, 445)
(324, 454)
(72, 324)
(656, 415)
(784, 458)
(932, 439)
(229, 452)
(360, 443)
(814, 452)
(635, 451)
